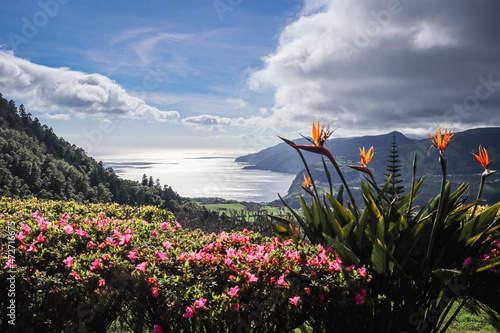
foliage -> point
(394, 171)
(421, 258)
(86, 268)
(37, 163)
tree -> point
(394, 170)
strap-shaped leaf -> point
(340, 194)
(407, 201)
(342, 214)
(488, 264)
(283, 231)
(307, 214)
(460, 213)
(360, 226)
(347, 255)
(309, 232)
(446, 275)
(379, 257)
(328, 175)
(459, 192)
(318, 217)
(479, 223)
(334, 225)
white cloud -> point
(209, 122)
(55, 89)
(362, 65)
(431, 35)
(236, 103)
(58, 116)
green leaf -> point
(445, 275)
(334, 225)
(342, 214)
(340, 198)
(307, 214)
(318, 217)
(488, 264)
(328, 175)
(479, 223)
(347, 255)
(379, 258)
(309, 232)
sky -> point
(119, 76)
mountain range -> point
(461, 166)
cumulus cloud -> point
(236, 103)
(57, 116)
(382, 65)
(55, 89)
(210, 122)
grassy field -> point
(238, 207)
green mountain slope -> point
(462, 167)
(35, 162)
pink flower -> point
(151, 280)
(31, 248)
(155, 233)
(132, 255)
(40, 238)
(25, 228)
(362, 271)
(162, 255)
(105, 256)
(157, 329)
(231, 252)
(233, 292)
(164, 225)
(68, 261)
(281, 281)
(110, 240)
(81, 233)
(178, 225)
(167, 245)
(228, 261)
(189, 312)
(102, 282)
(200, 303)
(236, 307)
(294, 300)
(90, 244)
(75, 274)
(10, 264)
(467, 261)
(68, 229)
(21, 236)
(96, 264)
(251, 277)
(125, 239)
(360, 298)
(154, 291)
(141, 267)
(334, 266)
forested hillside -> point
(35, 162)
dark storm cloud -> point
(388, 64)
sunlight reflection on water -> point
(202, 174)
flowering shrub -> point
(84, 268)
(421, 258)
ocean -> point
(197, 174)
